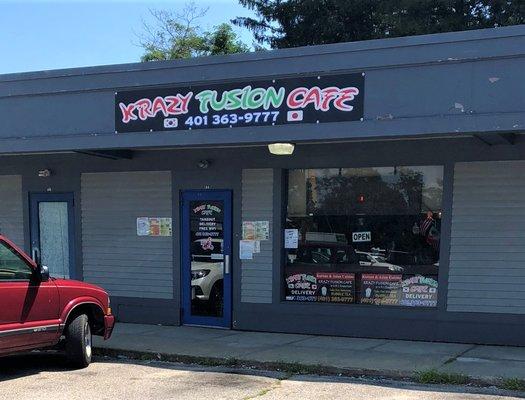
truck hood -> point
(72, 293)
(73, 284)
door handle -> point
(226, 263)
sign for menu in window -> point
(291, 238)
(419, 291)
(380, 289)
(335, 287)
(301, 287)
(331, 287)
(206, 220)
(280, 101)
(206, 230)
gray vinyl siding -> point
(257, 205)
(114, 256)
(487, 254)
(11, 208)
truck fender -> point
(74, 304)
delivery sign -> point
(311, 100)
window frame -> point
(20, 256)
(442, 277)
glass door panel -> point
(207, 258)
(206, 254)
(52, 233)
(54, 237)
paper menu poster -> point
(246, 249)
(154, 226)
(262, 230)
(165, 227)
(148, 226)
(255, 230)
(291, 238)
(248, 230)
(143, 226)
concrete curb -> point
(286, 367)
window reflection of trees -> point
(399, 193)
(389, 202)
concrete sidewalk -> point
(370, 356)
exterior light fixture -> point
(44, 173)
(281, 149)
(204, 164)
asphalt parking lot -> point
(46, 376)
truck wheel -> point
(78, 342)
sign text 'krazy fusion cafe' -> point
(315, 99)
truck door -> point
(29, 309)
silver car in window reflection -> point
(373, 260)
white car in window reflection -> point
(207, 270)
(376, 261)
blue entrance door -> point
(206, 257)
(52, 232)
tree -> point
(223, 40)
(291, 23)
(176, 35)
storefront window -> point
(364, 235)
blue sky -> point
(41, 35)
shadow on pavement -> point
(17, 366)
(32, 364)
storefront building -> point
(400, 213)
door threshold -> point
(225, 328)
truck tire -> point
(79, 342)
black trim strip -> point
(35, 329)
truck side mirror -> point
(44, 273)
(42, 270)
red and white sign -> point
(171, 122)
(295, 115)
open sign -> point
(361, 237)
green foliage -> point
(223, 40)
(513, 384)
(433, 376)
(177, 35)
(291, 23)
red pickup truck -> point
(38, 312)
